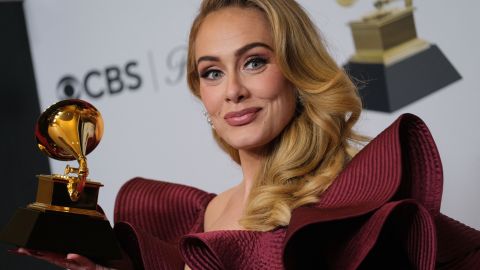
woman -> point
(284, 111)
(278, 103)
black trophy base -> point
(62, 233)
(388, 88)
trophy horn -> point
(70, 130)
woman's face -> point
(241, 86)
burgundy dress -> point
(382, 212)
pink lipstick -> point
(243, 117)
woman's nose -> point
(236, 91)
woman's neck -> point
(251, 162)
(225, 210)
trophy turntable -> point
(64, 218)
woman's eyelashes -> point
(255, 63)
(252, 64)
(212, 74)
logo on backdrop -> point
(114, 80)
(176, 64)
(111, 80)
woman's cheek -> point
(268, 85)
(211, 102)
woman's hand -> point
(70, 261)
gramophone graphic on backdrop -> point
(394, 66)
(64, 218)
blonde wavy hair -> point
(301, 163)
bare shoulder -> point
(216, 207)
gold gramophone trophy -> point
(396, 67)
(64, 218)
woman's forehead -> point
(228, 29)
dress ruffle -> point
(382, 212)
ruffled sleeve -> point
(151, 216)
(383, 211)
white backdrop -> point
(132, 54)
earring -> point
(207, 117)
(299, 99)
(300, 102)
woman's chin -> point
(249, 146)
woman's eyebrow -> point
(208, 58)
(238, 52)
(249, 46)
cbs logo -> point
(112, 80)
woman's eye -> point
(255, 63)
(212, 74)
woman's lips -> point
(242, 117)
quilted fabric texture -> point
(382, 212)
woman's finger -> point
(70, 261)
(40, 253)
(51, 257)
(81, 261)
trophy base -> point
(79, 211)
(53, 194)
(390, 87)
(62, 233)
